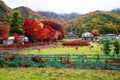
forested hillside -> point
(104, 22)
(59, 17)
(117, 11)
(28, 13)
(5, 12)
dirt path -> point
(30, 48)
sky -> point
(65, 6)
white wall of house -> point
(87, 36)
(10, 40)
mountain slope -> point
(117, 11)
(5, 12)
(58, 17)
(28, 13)
(25, 12)
(95, 20)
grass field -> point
(66, 50)
(57, 74)
(60, 74)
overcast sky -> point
(66, 6)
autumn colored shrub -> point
(27, 45)
(95, 32)
(4, 30)
(16, 38)
(76, 43)
(9, 46)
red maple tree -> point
(4, 31)
(32, 29)
(56, 26)
(43, 30)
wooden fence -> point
(67, 58)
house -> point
(119, 36)
(87, 36)
(10, 40)
(110, 36)
(72, 34)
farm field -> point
(57, 74)
(66, 50)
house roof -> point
(12, 37)
(87, 34)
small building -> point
(87, 36)
(110, 36)
(119, 36)
(72, 35)
(10, 40)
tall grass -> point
(57, 74)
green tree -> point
(15, 24)
(116, 47)
(106, 46)
(108, 28)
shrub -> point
(116, 47)
(27, 45)
(106, 46)
(24, 62)
(4, 31)
(76, 43)
(3, 62)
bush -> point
(3, 62)
(24, 62)
(106, 46)
(76, 43)
(116, 47)
(27, 45)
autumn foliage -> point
(16, 37)
(45, 30)
(76, 43)
(31, 29)
(55, 26)
(95, 32)
(27, 45)
(4, 30)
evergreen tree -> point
(15, 25)
(106, 46)
(116, 47)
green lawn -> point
(66, 50)
(57, 74)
